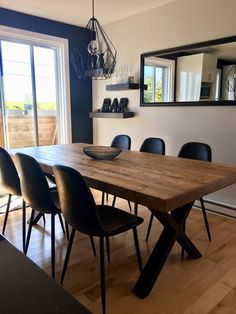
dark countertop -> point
(27, 289)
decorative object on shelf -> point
(101, 58)
(102, 152)
(115, 106)
(130, 79)
(106, 104)
(123, 104)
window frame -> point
(62, 50)
(167, 77)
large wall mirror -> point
(201, 74)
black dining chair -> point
(154, 145)
(10, 183)
(37, 195)
(122, 141)
(82, 214)
(198, 151)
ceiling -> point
(78, 12)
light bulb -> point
(93, 48)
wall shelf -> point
(112, 115)
(125, 86)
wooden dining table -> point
(167, 185)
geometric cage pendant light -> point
(101, 57)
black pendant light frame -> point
(101, 57)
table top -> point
(156, 181)
(27, 289)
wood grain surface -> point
(159, 182)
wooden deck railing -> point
(21, 131)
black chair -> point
(10, 183)
(152, 145)
(37, 195)
(198, 151)
(82, 214)
(122, 141)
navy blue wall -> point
(81, 90)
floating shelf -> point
(125, 86)
(113, 115)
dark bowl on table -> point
(102, 152)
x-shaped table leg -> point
(172, 232)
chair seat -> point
(115, 221)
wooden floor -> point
(206, 285)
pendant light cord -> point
(93, 8)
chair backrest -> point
(122, 141)
(34, 186)
(196, 150)
(9, 177)
(153, 145)
(76, 201)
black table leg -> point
(172, 232)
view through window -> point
(158, 76)
(29, 94)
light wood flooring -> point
(206, 285)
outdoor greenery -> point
(148, 94)
(14, 105)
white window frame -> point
(169, 65)
(62, 46)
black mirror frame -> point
(179, 49)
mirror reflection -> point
(200, 73)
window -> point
(35, 108)
(159, 76)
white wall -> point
(179, 23)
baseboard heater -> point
(219, 204)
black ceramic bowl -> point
(102, 152)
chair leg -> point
(6, 214)
(114, 201)
(149, 226)
(44, 220)
(67, 231)
(23, 224)
(93, 245)
(103, 196)
(102, 275)
(182, 250)
(130, 208)
(62, 224)
(108, 249)
(29, 230)
(53, 244)
(205, 219)
(136, 242)
(72, 235)
(136, 209)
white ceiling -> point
(78, 12)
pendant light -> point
(101, 58)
